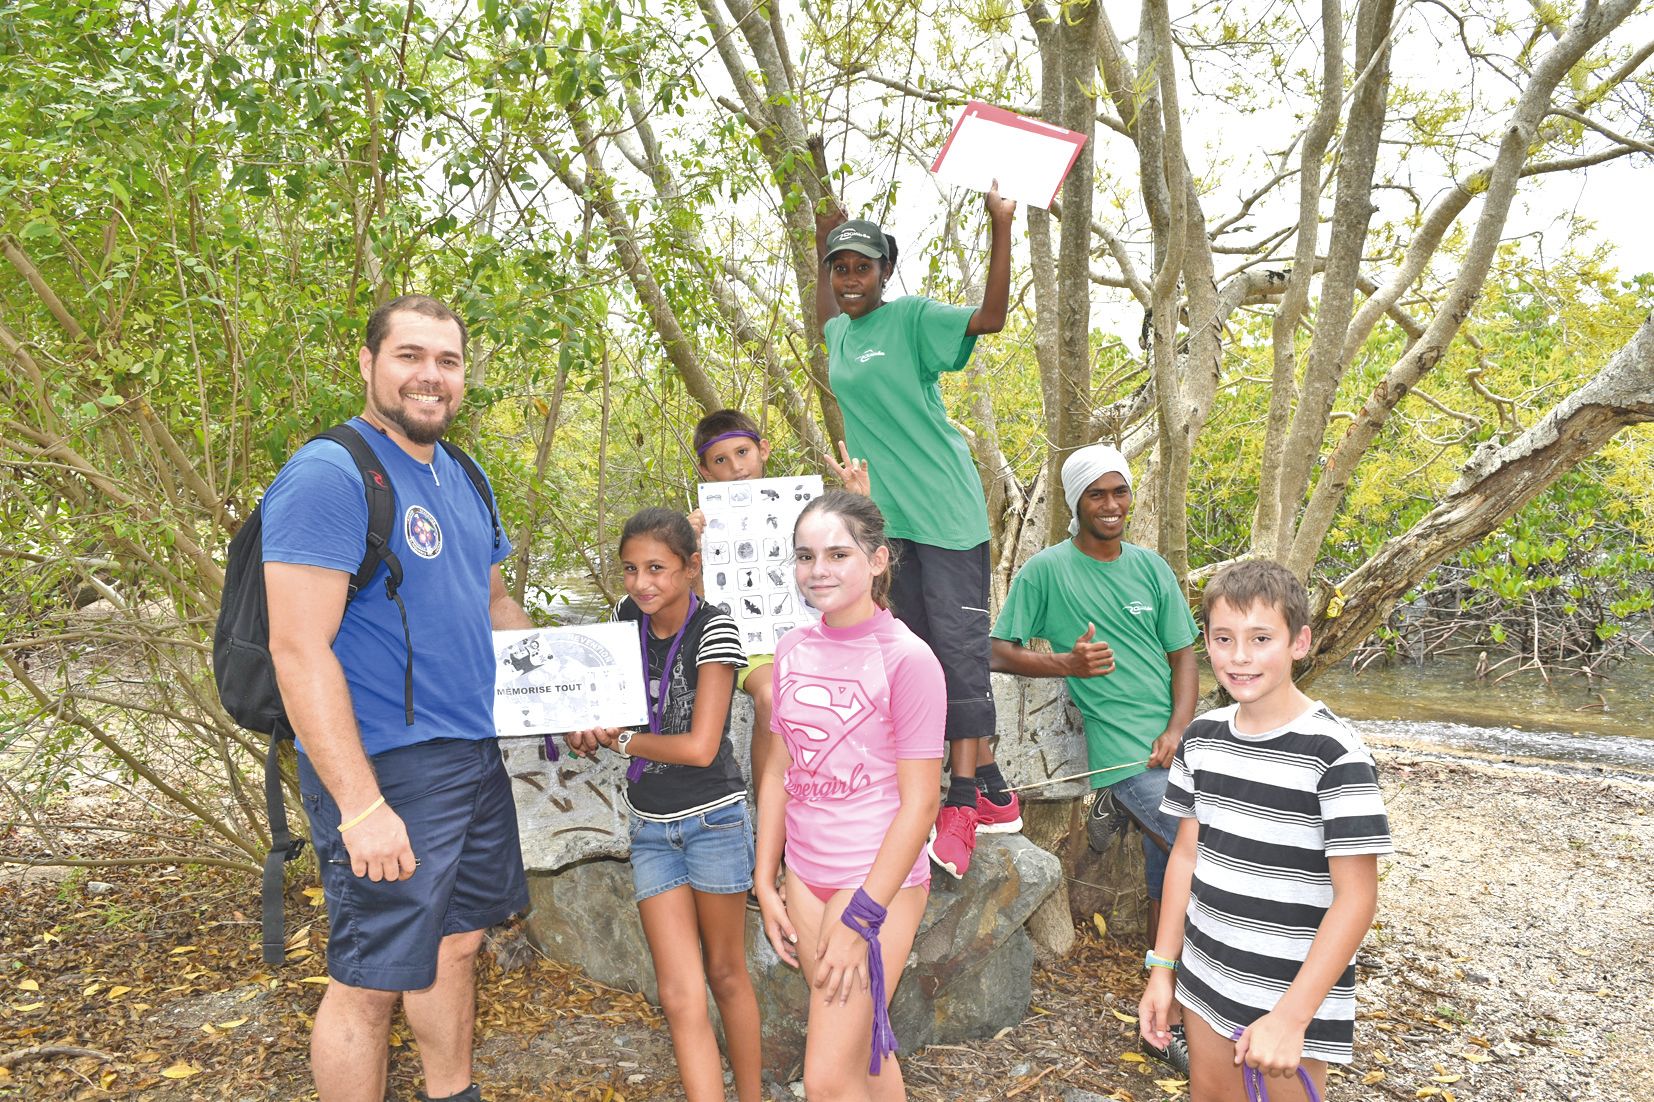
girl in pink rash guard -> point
(860, 705)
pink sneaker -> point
(992, 818)
(953, 839)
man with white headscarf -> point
(1121, 633)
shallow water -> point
(1607, 721)
(1613, 751)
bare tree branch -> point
(43, 290)
(598, 189)
(1589, 28)
(1605, 131)
(47, 1052)
(1496, 482)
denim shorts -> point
(712, 852)
(454, 797)
(1140, 795)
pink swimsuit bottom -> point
(824, 894)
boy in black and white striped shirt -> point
(1273, 880)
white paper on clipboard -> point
(1028, 157)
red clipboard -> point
(1030, 158)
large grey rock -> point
(969, 974)
(570, 811)
(979, 1002)
(584, 915)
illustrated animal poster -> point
(551, 681)
(747, 555)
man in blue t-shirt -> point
(411, 817)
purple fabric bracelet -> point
(1258, 1091)
(866, 917)
(753, 436)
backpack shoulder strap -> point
(474, 473)
(381, 499)
(283, 848)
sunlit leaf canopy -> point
(1299, 276)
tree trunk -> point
(1589, 28)
(1075, 54)
(1494, 485)
(1055, 826)
(1351, 217)
(1269, 512)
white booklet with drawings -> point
(747, 555)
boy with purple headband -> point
(729, 447)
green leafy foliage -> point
(202, 202)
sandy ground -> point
(1510, 960)
(1515, 932)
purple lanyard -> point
(657, 707)
(865, 916)
(1258, 1091)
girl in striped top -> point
(691, 836)
(1273, 880)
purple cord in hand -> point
(866, 917)
(1258, 1091)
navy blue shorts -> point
(455, 798)
(942, 596)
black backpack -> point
(241, 662)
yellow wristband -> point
(374, 806)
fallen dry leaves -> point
(156, 989)
(163, 974)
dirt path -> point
(1510, 961)
(1516, 922)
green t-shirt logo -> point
(1137, 608)
(871, 353)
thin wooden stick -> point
(1075, 776)
(42, 1052)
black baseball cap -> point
(859, 236)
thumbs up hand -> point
(1090, 657)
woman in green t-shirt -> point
(885, 359)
